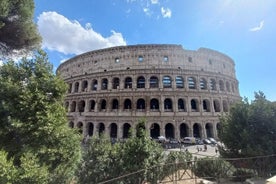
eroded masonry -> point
(179, 92)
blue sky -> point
(245, 30)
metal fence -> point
(214, 169)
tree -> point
(17, 29)
(33, 119)
(249, 129)
(103, 161)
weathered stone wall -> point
(190, 89)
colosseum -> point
(178, 92)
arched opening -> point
(206, 105)
(127, 104)
(115, 104)
(103, 105)
(94, 85)
(76, 89)
(104, 84)
(184, 130)
(216, 106)
(209, 130)
(101, 129)
(213, 84)
(168, 105)
(227, 86)
(113, 130)
(73, 106)
(128, 83)
(126, 130)
(84, 86)
(116, 83)
(90, 129)
(141, 105)
(80, 127)
(81, 106)
(92, 105)
(179, 82)
(154, 82)
(169, 131)
(69, 88)
(197, 130)
(203, 84)
(71, 124)
(181, 105)
(191, 83)
(67, 106)
(154, 131)
(154, 104)
(141, 82)
(194, 105)
(167, 82)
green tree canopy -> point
(33, 119)
(250, 128)
(17, 29)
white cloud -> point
(154, 1)
(166, 12)
(70, 37)
(147, 11)
(257, 28)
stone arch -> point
(213, 84)
(194, 105)
(169, 131)
(141, 82)
(154, 130)
(181, 105)
(141, 104)
(71, 124)
(206, 105)
(154, 104)
(80, 127)
(167, 82)
(73, 106)
(126, 130)
(113, 130)
(92, 105)
(101, 128)
(103, 105)
(67, 106)
(104, 84)
(191, 83)
(209, 130)
(76, 87)
(216, 105)
(221, 85)
(81, 106)
(197, 130)
(168, 105)
(115, 104)
(154, 82)
(69, 88)
(179, 82)
(90, 129)
(84, 85)
(184, 130)
(128, 82)
(203, 84)
(227, 86)
(115, 83)
(127, 104)
(94, 85)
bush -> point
(213, 169)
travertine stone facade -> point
(180, 92)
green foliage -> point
(249, 129)
(33, 119)
(103, 161)
(17, 29)
(213, 169)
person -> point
(197, 148)
(205, 147)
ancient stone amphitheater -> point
(178, 92)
